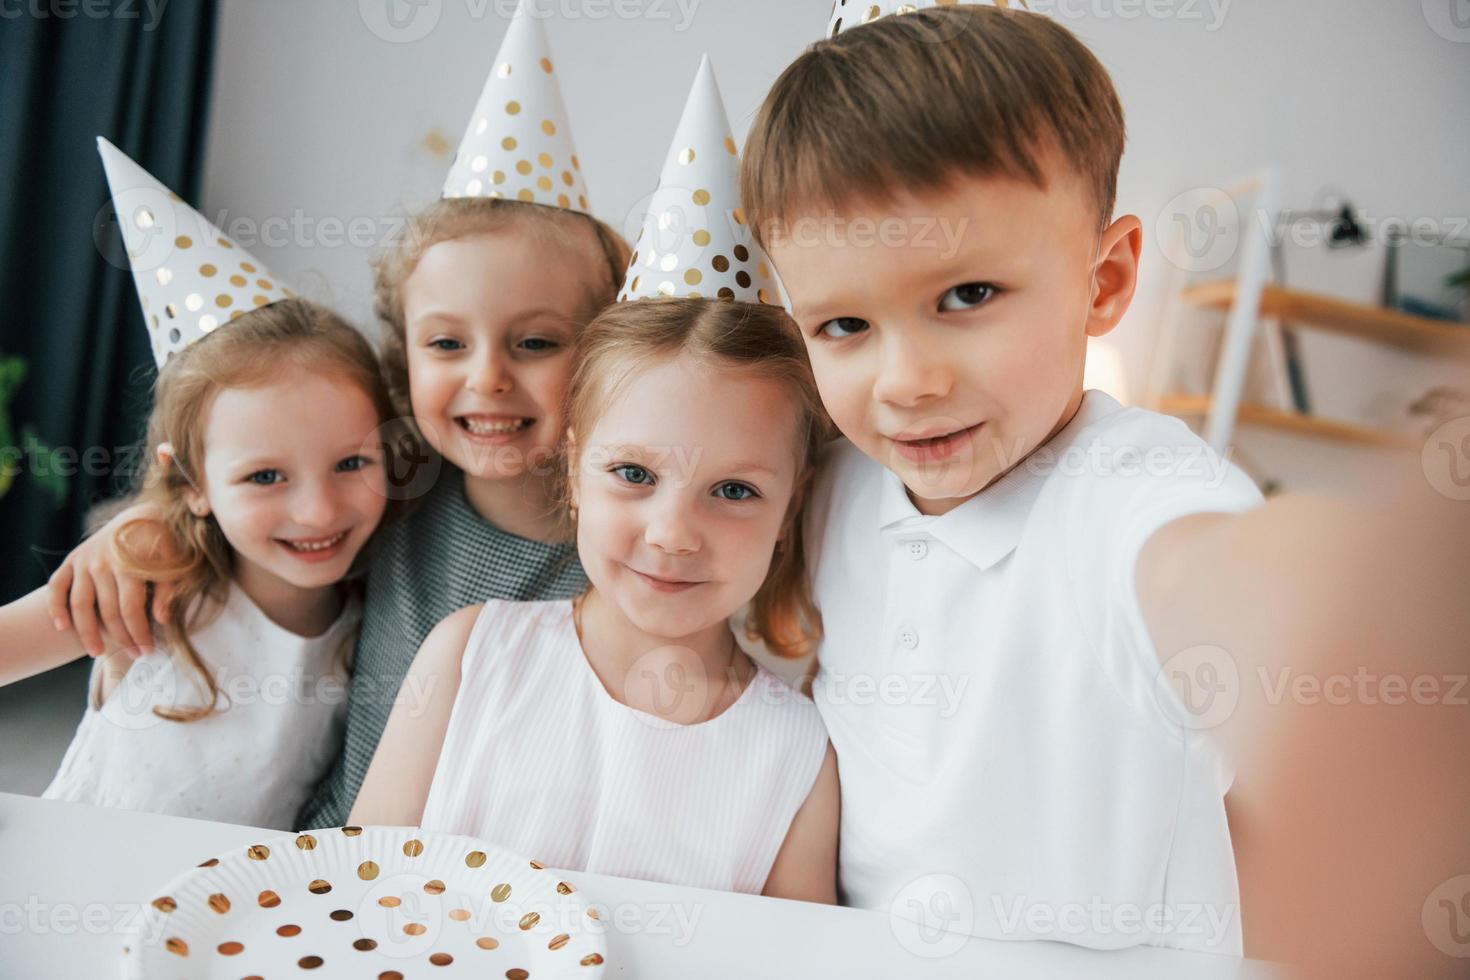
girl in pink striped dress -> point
(625, 731)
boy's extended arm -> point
(397, 783)
(1296, 587)
(1344, 628)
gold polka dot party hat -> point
(191, 277)
(696, 240)
(519, 145)
(847, 14)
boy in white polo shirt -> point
(936, 190)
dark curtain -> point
(140, 77)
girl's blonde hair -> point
(250, 351)
(759, 340)
(466, 217)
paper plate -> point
(383, 903)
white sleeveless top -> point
(541, 759)
(281, 702)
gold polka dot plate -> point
(377, 903)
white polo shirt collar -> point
(986, 528)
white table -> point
(71, 877)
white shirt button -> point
(908, 638)
(918, 550)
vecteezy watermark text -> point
(407, 21)
(149, 11)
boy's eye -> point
(539, 344)
(745, 492)
(966, 297)
(847, 325)
(445, 344)
(634, 474)
(264, 478)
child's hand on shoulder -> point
(107, 606)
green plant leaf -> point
(12, 373)
(44, 472)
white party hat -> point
(847, 14)
(519, 144)
(696, 241)
(191, 277)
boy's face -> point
(948, 329)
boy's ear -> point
(1115, 276)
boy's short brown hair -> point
(913, 101)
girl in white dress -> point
(269, 474)
(625, 731)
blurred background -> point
(1300, 170)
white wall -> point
(316, 117)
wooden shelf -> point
(1374, 323)
(1295, 423)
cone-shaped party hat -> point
(696, 240)
(191, 277)
(847, 14)
(519, 145)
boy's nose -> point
(911, 372)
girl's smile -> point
(683, 485)
(297, 502)
(490, 355)
(494, 430)
(665, 584)
(315, 549)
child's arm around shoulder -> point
(94, 595)
(397, 783)
(31, 642)
(58, 623)
(806, 866)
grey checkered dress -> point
(442, 557)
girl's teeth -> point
(318, 546)
(493, 428)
